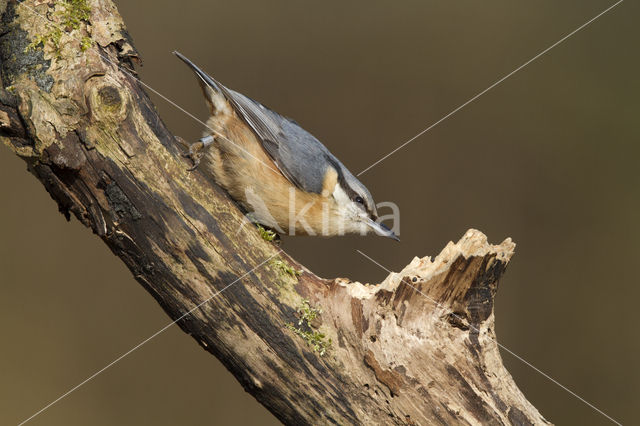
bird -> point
(280, 174)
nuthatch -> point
(277, 170)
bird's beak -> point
(382, 230)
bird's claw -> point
(194, 154)
(196, 150)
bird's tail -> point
(206, 78)
(218, 97)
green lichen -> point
(76, 11)
(85, 43)
(266, 234)
(315, 339)
(287, 282)
(69, 18)
(286, 269)
(307, 313)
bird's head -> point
(356, 207)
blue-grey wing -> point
(301, 158)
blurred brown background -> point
(549, 158)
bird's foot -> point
(197, 150)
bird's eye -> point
(359, 200)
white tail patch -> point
(218, 104)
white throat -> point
(350, 213)
(341, 197)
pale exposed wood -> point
(419, 348)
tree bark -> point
(419, 348)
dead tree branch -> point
(419, 348)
